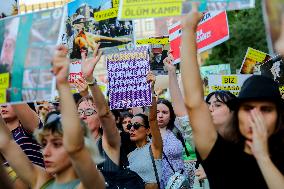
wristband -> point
(92, 83)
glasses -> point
(136, 126)
(87, 112)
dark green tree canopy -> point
(246, 30)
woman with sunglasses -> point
(68, 161)
(140, 159)
(254, 158)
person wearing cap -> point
(255, 156)
(70, 158)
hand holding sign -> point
(168, 62)
(60, 65)
(82, 86)
(151, 78)
(89, 64)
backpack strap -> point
(154, 166)
(179, 136)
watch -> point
(92, 83)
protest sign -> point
(272, 13)
(252, 60)
(158, 53)
(230, 83)
(74, 71)
(84, 32)
(175, 41)
(26, 6)
(127, 72)
(153, 41)
(8, 8)
(27, 47)
(212, 30)
(260, 63)
(137, 9)
(205, 71)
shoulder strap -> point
(48, 183)
(169, 162)
(154, 165)
(179, 136)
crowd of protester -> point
(223, 141)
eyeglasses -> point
(135, 125)
(87, 112)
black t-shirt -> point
(228, 167)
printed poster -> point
(27, 46)
(175, 41)
(212, 30)
(127, 73)
(158, 52)
(252, 61)
(8, 8)
(232, 83)
(138, 9)
(205, 71)
(87, 26)
(27, 6)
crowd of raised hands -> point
(236, 142)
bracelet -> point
(92, 83)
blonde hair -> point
(55, 127)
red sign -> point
(212, 30)
(175, 40)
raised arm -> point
(203, 129)
(176, 96)
(28, 118)
(31, 174)
(157, 142)
(111, 133)
(73, 137)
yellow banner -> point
(115, 3)
(3, 96)
(139, 2)
(106, 14)
(229, 79)
(162, 41)
(150, 10)
(4, 80)
(256, 55)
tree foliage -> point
(246, 30)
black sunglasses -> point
(135, 125)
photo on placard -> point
(8, 38)
(84, 32)
(8, 8)
(158, 53)
(27, 45)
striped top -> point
(28, 144)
